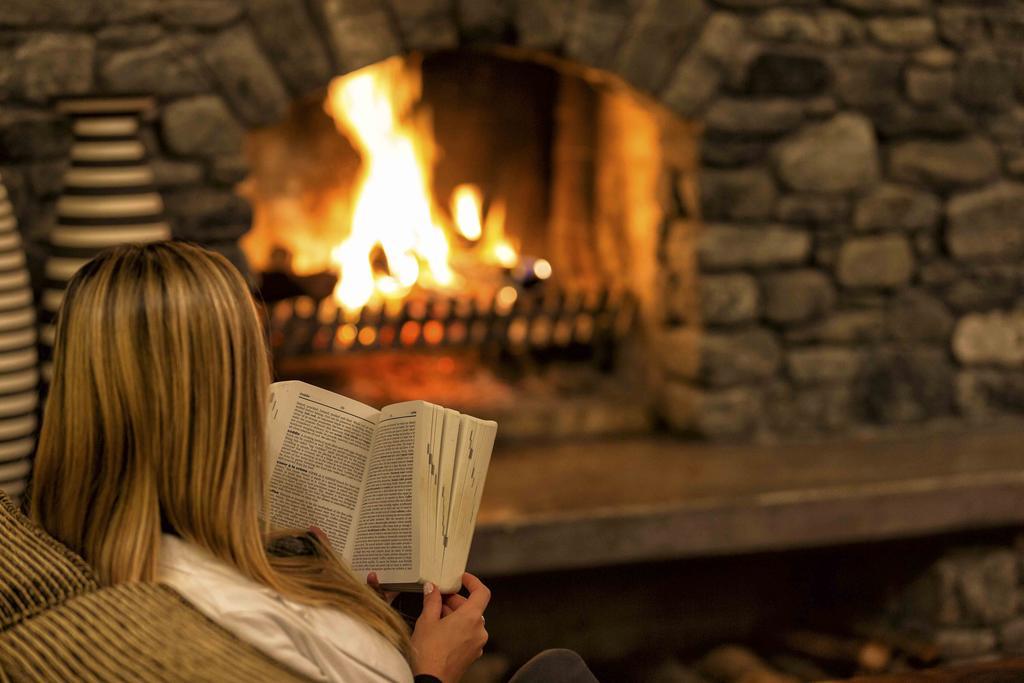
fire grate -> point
(510, 320)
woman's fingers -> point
(479, 594)
(373, 581)
(454, 601)
(432, 605)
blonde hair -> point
(155, 420)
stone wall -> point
(861, 259)
(970, 603)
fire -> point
(393, 209)
(467, 207)
(375, 222)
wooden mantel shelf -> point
(609, 502)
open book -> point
(396, 490)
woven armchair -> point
(58, 624)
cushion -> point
(58, 624)
(36, 572)
(131, 632)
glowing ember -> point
(393, 209)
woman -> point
(151, 465)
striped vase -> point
(109, 196)
(19, 363)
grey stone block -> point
(935, 57)
(813, 208)
(797, 296)
(838, 155)
(995, 338)
(722, 414)
(166, 68)
(732, 358)
(728, 299)
(692, 85)
(927, 86)
(723, 246)
(915, 315)
(199, 13)
(359, 34)
(749, 4)
(1011, 637)
(986, 224)
(782, 73)
(740, 194)
(884, 261)
(899, 119)
(303, 62)
(982, 393)
(769, 116)
(841, 327)
(985, 80)
(229, 169)
(129, 35)
(483, 21)
(170, 173)
(201, 126)
(897, 207)
(867, 76)
(988, 586)
(964, 643)
(679, 352)
(594, 30)
(945, 164)
(541, 23)
(658, 34)
(207, 215)
(809, 409)
(32, 135)
(426, 24)
(884, 6)
(905, 33)
(51, 64)
(249, 84)
(827, 27)
(906, 384)
(823, 365)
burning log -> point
(863, 654)
(918, 649)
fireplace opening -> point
(471, 228)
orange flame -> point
(467, 208)
(393, 209)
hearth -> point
(475, 217)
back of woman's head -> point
(156, 411)
(155, 422)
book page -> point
(387, 537)
(431, 489)
(320, 445)
(476, 444)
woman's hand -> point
(450, 633)
(373, 582)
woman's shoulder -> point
(321, 642)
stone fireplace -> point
(858, 172)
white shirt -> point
(322, 643)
